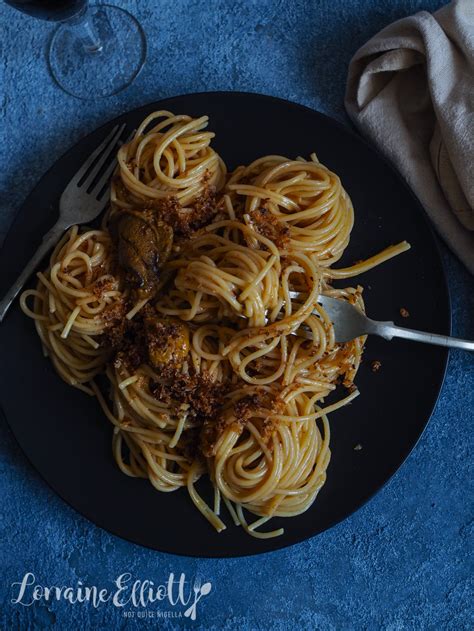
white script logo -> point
(126, 593)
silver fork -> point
(83, 199)
(350, 323)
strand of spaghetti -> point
(217, 500)
(254, 533)
(373, 261)
(314, 416)
(231, 510)
(138, 306)
(201, 505)
(179, 430)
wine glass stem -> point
(81, 26)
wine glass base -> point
(112, 68)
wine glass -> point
(96, 51)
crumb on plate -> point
(376, 365)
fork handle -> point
(388, 330)
(49, 239)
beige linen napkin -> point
(410, 89)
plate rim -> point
(447, 315)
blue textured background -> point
(403, 561)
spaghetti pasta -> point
(212, 368)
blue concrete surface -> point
(402, 562)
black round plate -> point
(66, 436)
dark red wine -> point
(55, 10)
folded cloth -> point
(410, 89)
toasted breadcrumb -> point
(269, 226)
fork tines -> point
(92, 176)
